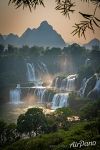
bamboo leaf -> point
(96, 23)
(97, 19)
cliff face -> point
(91, 87)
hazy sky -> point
(18, 20)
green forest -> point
(58, 130)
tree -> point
(66, 7)
(36, 51)
(11, 133)
(95, 59)
(33, 121)
(11, 49)
(91, 110)
(52, 124)
(24, 50)
(8, 133)
(3, 126)
(61, 115)
(1, 48)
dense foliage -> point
(34, 126)
(33, 121)
(62, 139)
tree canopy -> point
(32, 121)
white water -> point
(43, 68)
(36, 76)
(97, 86)
(36, 72)
(39, 92)
(42, 96)
(15, 95)
(71, 82)
(56, 82)
(66, 84)
(60, 100)
(84, 85)
(30, 72)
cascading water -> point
(60, 100)
(31, 72)
(97, 86)
(84, 85)
(15, 95)
(71, 82)
(42, 96)
(59, 82)
(35, 72)
(56, 82)
(44, 68)
(65, 84)
(39, 92)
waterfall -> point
(97, 86)
(71, 82)
(65, 83)
(31, 72)
(39, 92)
(45, 94)
(42, 71)
(84, 85)
(36, 72)
(42, 96)
(56, 82)
(15, 95)
(44, 68)
(60, 100)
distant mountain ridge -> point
(94, 42)
(44, 35)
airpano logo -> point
(82, 143)
(78, 145)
